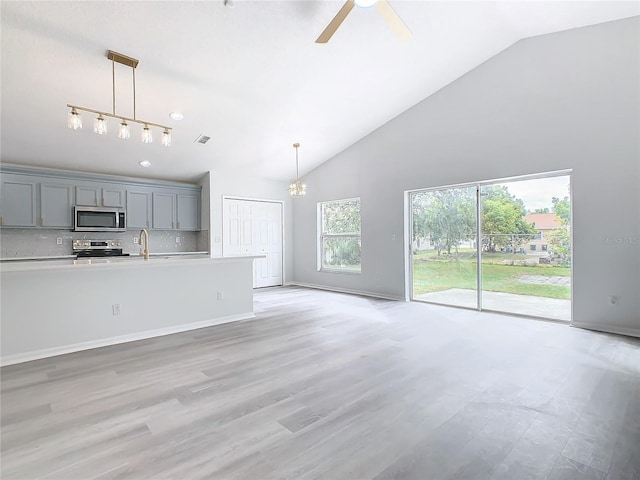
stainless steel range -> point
(98, 248)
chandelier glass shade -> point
(123, 131)
(297, 188)
(74, 120)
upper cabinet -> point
(164, 211)
(100, 196)
(188, 213)
(175, 210)
(138, 208)
(18, 205)
(56, 205)
(45, 199)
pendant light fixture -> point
(100, 123)
(124, 132)
(75, 120)
(296, 187)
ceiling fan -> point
(385, 10)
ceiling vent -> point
(202, 139)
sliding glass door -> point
(525, 247)
(444, 260)
(523, 230)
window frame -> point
(322, 236)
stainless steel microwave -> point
(98, 219)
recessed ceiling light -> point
(145, 163)
(176, 115)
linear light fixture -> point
(296, 187)
(74, 120)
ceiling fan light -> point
(365, 3)
(166, 137)
(123, 131)
(100, 125)
(75, 120)
(147, 136)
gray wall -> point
(568, 100)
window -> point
(339, 248)
(533, 247)
(544, 248)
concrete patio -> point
(553, 308)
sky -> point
(538, 193)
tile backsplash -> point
(41, 242)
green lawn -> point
(432, 274)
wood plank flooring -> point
(333, 386)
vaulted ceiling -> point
(246, 73)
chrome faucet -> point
(144, 233)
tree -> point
(561, 239)
(445, 217)
(562, 208)
(503, 223)
(341, 218)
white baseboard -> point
(631, 332)
(346, 290)
(132, 337)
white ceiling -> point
(251, 76)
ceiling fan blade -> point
(336, 22)
(398, 27)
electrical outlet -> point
(59, 241)
(135, 240)
(177, 239)
(220, 295)
(613, 300)
(115, 308)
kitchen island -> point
(60, 306)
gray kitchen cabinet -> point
(56, 205)
(163, 210)
(18, 206)
(138, 209)
(97, 196)
(87, 196)
(113, 197)
(43, 198)
(187, 212)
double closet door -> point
(254, 227)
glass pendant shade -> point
(100, 125)
(124, 132)
(147, 137)
(297, 188)
(75, 120)
(166, 138)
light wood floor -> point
(325, 385)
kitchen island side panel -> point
(46, 312)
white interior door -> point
(253, 227)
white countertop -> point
(119, 262)
(64, 257)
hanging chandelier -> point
(296, 187)
(100, 123)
